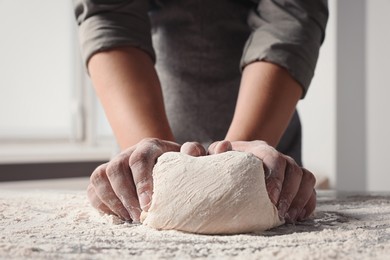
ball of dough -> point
(216, 194)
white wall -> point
(351, 120)
(378, 94)
(345, 115)
(36, 50)
(37, 77)
(318, 109)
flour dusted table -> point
(60, 224)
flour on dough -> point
(216, 194)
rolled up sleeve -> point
(105, 24)
(288, 33)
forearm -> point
(267, 99)
(128, 87)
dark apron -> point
(199, 46)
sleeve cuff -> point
(109, 30)
(284, 55)
(288, 35)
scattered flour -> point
(61, 224)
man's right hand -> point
(124, 186)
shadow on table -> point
(322, 220)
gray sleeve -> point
(106, 24)
(288, 33)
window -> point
(48, 109)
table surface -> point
(42, 221)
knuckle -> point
(192, 148)
(289, 159)
(139, 157)
(296, 170)
(286, 198)
(260, 143)
(144, 140)
(117, 166)
(98, 174)
(278, 163)
(147, 151)
(143, 185)
(293, 166)
(309, 177)
(274, 155)
(151, 141)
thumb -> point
(220, 147)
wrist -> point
(266, 102)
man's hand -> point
(290, 187)
(124, 186)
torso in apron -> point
(199, 45)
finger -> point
(106, 194)
(120, 177)
(304, 194)
(291, 183)
(247, 146)
(223, 146)
(96, 202)
(220, 147)
(259, 148)
(275, 168)
(274, 164)
(193, 149)
(142, 162)
(309, 208)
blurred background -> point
(52, 125)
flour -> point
(61, 224)
(217, 194)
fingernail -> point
(283, 207)
(223, 146)
(274, 194)
(135, 217)
(267, 172)
(292, 215)
(218, 148)
(124, 214)
(302, 215)
(144, 200)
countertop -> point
(50, 222)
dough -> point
(216, 194)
